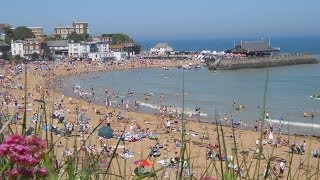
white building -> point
(17, 48)
(161, 49)
(79, 50)
(58, 47)
(119, 56)
(102, 47)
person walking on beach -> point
(281, 167)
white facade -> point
(99, 56)
(118, 56)
(161, 49)
(102, 47)
(79, 50)
(17, 48)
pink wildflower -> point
(42, 172)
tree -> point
(9, 35)
(75, 37)
(22, 33)
(5, 56)
(119, 38)
(47, 53)
(35, 56)
(17, 57)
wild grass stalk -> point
(219, 143)
(182, 150)
(263, 115)
(24, 122)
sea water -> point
(288, 89)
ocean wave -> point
(188, 111)
(277, 121)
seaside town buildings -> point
(96, 48)
(60, 47)
(17, 48)
(78, 27)
(37, 31)
(26, 48)
(161, 49)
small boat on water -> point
(186, 66)
(165, 68)
(315, 96)
(198, 66)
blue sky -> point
(155, 19)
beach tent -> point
(105, 132)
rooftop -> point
(60, 43)
(253, 46)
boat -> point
(165, 68)
(315, 96)
(198, 66)
(186, 66)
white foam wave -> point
(152, 106)
(277, 121)
(179, 110)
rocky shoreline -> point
(262, 62)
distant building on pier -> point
(253, 48)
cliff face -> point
(227, 64)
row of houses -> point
(94, 50)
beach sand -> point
(199, 135)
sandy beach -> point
(162, 131)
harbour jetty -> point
(220, 63)
(256, 54)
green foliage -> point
(17, 57)
(46, 52)
(75, 37)
(5, 56)
(20, 33)
(52, 38)
(35, 56)
(119, 38)
(9, 35)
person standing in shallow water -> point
(256, 125)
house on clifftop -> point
(253, 48)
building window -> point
(81, 31)
(77, 26)
(14, 52)
(78, 31)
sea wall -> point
(232, 64)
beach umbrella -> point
(105, 132)
(143, 162)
